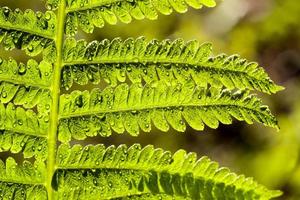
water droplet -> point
(48, 6)
(39, 14)
(134, 112)
(136, 60)
(22, 69)
(79, 101)
(128, 68)
(47, 106)
(6, 11)
(72, 33)
(48, 16)
(46, 119)
(20, 122)
(17, 10)
(39, 148)
(263, 108)
(30, 48)
(110, 184)
(4, 94)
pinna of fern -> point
(99, 172)
(154, 60)
(153, 83)
(146, 173)
(132, 108)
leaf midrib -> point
(95, 112)
(40, 34)
(169, 62)
(29, 83)
(21, 182)
(55, 91)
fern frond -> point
(26, 85)
(131, 108)
(30, 31)
(22, 182)
(173, 84)
(148, 173)
(137, 59)
(28, 97)
(38, 24)
(30, 74)
(91, 13)
(19, 120)
(31, 129)
(30, 146)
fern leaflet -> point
(147, 173)
(29, 31)
(84, 113)
(154, 60)
(22, 182)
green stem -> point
(55, 89)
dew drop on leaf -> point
(22, 69)
(4, 94)
(47, 16)
(20, 122)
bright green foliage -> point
(30, 74)
(29, 145)
(88, 14)
(146, 173)
(25, 87)
(166, 60)
(132, 108)
(29, 31)
(172, 84)
(23, 121)
(22, 182)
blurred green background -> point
(266, 31)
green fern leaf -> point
(26, 85)
(147, 173)
(23, 131)
(31, 74)
(23, 121)
(91, 13)
(29, 31)
(22, 182)
(171, 84)
(139, 60)
(30, 146)
(131, 108)
(24, 88)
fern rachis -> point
(184, 85)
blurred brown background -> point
(266, 31)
